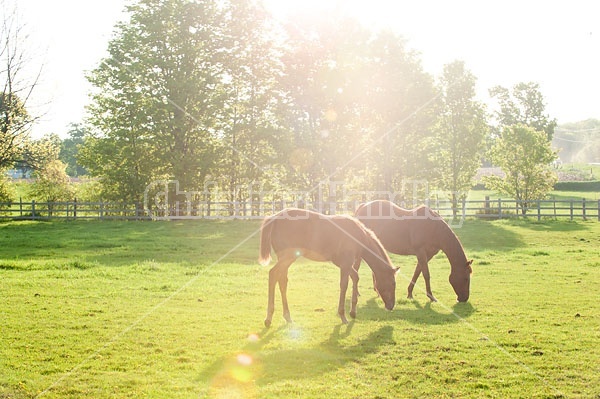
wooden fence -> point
(570, 209)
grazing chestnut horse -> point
(340, 239)
(421, 232)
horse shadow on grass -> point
(414, 312)
(277, 354)
(263, 364)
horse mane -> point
(375, 246)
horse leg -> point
(354, 275)
(413, 281)
(274, 278)
(355, 294)
(424, 264)
(344, 275)
(283, 280)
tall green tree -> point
(360, 106)
(460, 132)
(52, 184)
(157, 97)
(15, 89)
(402, 101)
(69, 150)
(248, 122)
(523, 104)
(525, 155)
(324, 82)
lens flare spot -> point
(244, 359)
(295, 333)
(253, 337)
(331, 115)
(237, 377)
(298, 253)
(242, 374)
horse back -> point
(401, 231)
(313, 235)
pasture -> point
(176, 309)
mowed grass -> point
(176, 309)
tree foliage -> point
(69, 150)
(460, 133)
(403, 102)
(322, 81)
(198, 91)
(15, 120)
(524, 105)
(358, 106)
(12, 137)
(525, 155)
(178, 79)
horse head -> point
(386, 287)
(461, 281)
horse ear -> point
(396, 269)
(470, 262)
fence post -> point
(75, 208)
(583, 209)
(499, 208)
(539, 210)
(101, 210)
(571, 207)
(33, 209)
(599, 210)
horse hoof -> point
(432, 298)
(353, 315)
(410, 297)
(267, 323)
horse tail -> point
(265, 241)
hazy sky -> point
(556, 44)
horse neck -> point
(451, 246)
(374, 254)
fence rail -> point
(484, 209)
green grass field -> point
(176, 309)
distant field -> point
(176, 309)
